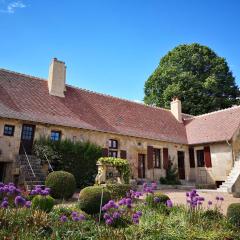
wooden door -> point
(141, 165)
(27, 137)
(2, 171)
(181, 165)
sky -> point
(113, 46)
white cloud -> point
(12, 6)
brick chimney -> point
(57, 78)
(176, 109)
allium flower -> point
(217, 198)
(4, 204)
(63, 218)
(221, 199)
(19, 201)
(209, 203)
(156, 200)
(109, 221)
(28, 204)
(116, 215)
(169, 203)
(82, 217)
(139, 213)
(74, 214)
(106, 216)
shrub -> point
(78, 158)
(118, 191)
(233, 213)
(62, 184)
(157, 198)
(90, 199)
(44, 203)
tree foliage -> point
(195, 74)
(78, 158)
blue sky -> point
(112, 46)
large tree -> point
(195, 74)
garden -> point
(111, 211)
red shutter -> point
(165, 158)
(150, 157)
(123, 154)
(191, 157)
(105, 152)
(207, 157)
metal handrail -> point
(28, 161)
(49, 164)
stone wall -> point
(221, 158)
(133, 146)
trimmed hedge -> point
(233, 214)
(44, 203)
(62, 184)
(118, 191)
(90, 199)
(150, 199)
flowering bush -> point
(11, 196)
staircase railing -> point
(29, 164)
(49, 164)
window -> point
(113, 154)
(8, 130)
(200, 158)
(55, 135)
(113, 144)
(157, 158)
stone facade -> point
(221, 153)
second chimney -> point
(176, 109)
(57, 78)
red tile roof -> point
(27, 98)
(213, 127)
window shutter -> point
(123, 154)
(150, 157)
(191, 157)
(165, 158)
(207, 157)
(105, 152)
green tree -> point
(195, 74)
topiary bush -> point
(157, 198)
(118, 191)
(62, 184)
(90, 199)
(44, 203)
(233, 214)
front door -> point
(141, 165)
(181, 165)
(27, 137)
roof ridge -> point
(23, 74)
(83, 89)
(217, 111)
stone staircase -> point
(232, 178)
(31, 171)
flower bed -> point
(132, 217)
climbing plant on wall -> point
(122, 165)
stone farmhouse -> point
(205, 148)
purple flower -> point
(169, 203)
(217, 198)
(128, 201)
(156, 200)
(209, 203)
(135, 220)
(74, 214)
(63, 218)
(139, 213)
(221, 199)
(4, 204)
(187, 194)
(106, 216)
(116, 215)
(82, 217)
(109, 221)
(28, 204)
(19, 201)
(76, 219)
